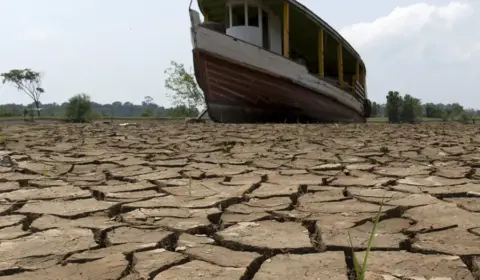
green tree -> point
(25, 112)
(433, 110)
(394, 106)
(182, 111)
(454, 111)
(148, 100)
(6, 111)
(411, 110)
(182, 86)
(27, 81)
(465, 117)
(374, 110)
(79, 108)
(147, 113)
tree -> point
(148, 100)
(25, 112)
(79, 108)
(379, 110)
(147, 113)
(27, 81)
(374, 110)
(183, 88)
(182, 111)
(434, 110)
(411, 110)
(465, 117)
(394, 105)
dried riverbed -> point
(231, 202)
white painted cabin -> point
(252, 22)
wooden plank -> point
(321, 66)
(362, 77)
(340, 64)
(286, 29)
(357, 71)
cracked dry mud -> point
(238, 202)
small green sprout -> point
(44, 175)
(360, 270)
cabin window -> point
(253, 16)
(238, 15)
(265, 34)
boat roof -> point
(315, 18)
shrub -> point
(464, 117)
(147, 113)
(79, 108)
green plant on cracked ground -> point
(44, 174)
(361, 269)
(3, 141)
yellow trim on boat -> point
(340, 64)
(321, 66)
(357, 71)
(286, 29)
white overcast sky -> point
(118, 49)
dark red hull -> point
(236, 93)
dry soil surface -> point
(238, 202)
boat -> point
(275, 61)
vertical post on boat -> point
(286, 29)
(245, 8)
(362, 78)
(357, 71)
(321, 67)
(205, 17)
(340, 64)
(230, 15)
(260, 19)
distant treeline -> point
(407, 108)
(115, 109)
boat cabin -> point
(287, 28)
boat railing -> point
(356, 89)
(359, 91)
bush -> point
(79, 108)
(182, 111)
(464, 117)
(394, 106)
(147, 113)
(5, 112)
(403, 109)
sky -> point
(118, 50)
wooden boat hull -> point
(238, 93)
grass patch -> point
(361, 269)
(385, 120)
(104, 118)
